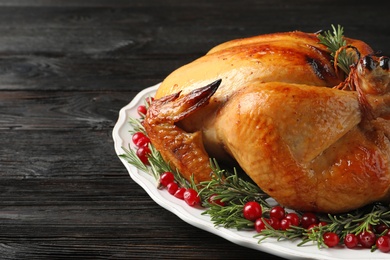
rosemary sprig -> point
(234, 192)
(228, 216)
(354, 222)
(229, 187)
(293, 233)
(131, 157)
(362, 219)
(136, 125)
(334, 41)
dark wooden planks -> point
(173, 27)
(81, 73)
(59, 110)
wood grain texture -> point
(68, 67)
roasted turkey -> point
(308, 135)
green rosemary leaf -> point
(157, 164)
(131, 157)
(229, 216)
(292, 233)
(136, 126)
(334, 41)
(229, 187)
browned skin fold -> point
(308, 145)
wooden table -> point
(68, 67)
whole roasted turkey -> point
(310, 136)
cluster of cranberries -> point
(140, 140)
(189, 195)
(279, 219)
(378, 236)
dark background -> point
(68, 67)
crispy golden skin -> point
(309, 146)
